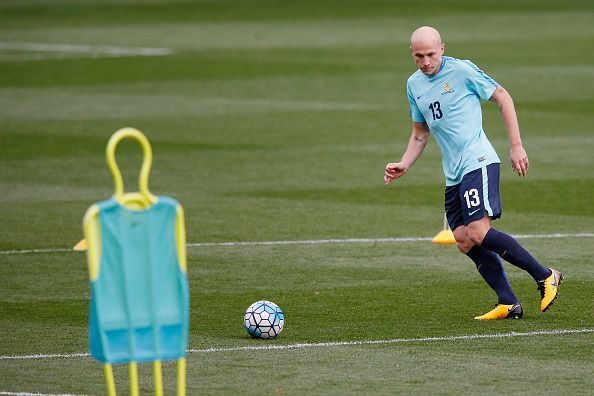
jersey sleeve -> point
(477, 81)
(415, 113)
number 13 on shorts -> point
(472, 198)
(477, 194)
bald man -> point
(444, 96)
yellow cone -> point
(81, 246)
(444, 237)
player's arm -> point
(519, 158)
(416, 145)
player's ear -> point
(442, 48)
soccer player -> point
(444, 97)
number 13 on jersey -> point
(435, 108)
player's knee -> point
(464, 246)
(476, 236)
(477, 230)
(463, 243)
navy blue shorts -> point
(476, 195)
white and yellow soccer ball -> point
(264, 319)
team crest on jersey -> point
(447, 88)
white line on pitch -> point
(35, 394)
(28, 251)
(85, 49)
(92, 50)
(311, 241)
(371, 240)
(314, 242)
(45, 356)
(336, 343)
(392, 341)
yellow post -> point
(158, 376)
(92, 243)
(144, 195)
(133, 372)
(181, 377)
(111, 390)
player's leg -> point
(481, 195)
(487, 263)
(547, 279)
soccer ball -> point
(264, 319)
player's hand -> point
(519, 160)
(393, 171)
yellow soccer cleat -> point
(503, 311)
(549, 289)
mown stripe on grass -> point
(335, 343)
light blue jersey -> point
(449, 102)
(140, 300)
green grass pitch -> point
(273, 121)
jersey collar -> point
(443, 63)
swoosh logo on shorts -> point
(473, 212)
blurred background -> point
(273, 121)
